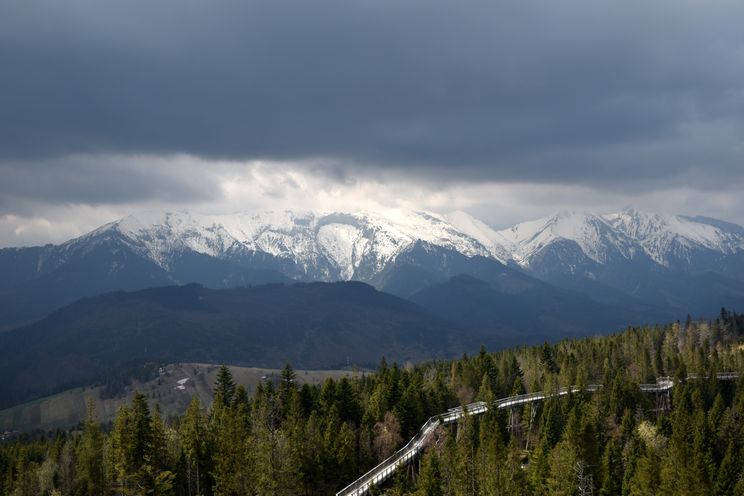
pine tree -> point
(241, 398)
(465, 480)
(26, 481)
(430, 478)
(645, 478)
(276, 474)
(137, 451)
(232, 461)
(287, 385)
(346, 453)
(611, 469)
(195, 439)
(726, 479)
(64, 463)
(348, 401)
(491, 457)
(224, 386)
(123, 463)
(547, 360)
(91, 480)
(562, 478)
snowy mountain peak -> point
(589, 231)
(664, 238)
(326, 245)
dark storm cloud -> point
(528, 90)
(102, 181)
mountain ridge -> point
(647, 256)
(311, 325)
(155, 234)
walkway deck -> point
(416, 445)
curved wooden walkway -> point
(416, 445)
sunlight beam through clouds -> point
(29, 216)
(509, 110)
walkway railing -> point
(416, 445)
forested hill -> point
(312, 325)
(314, 440)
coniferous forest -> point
(314, 440)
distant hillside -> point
(41, 280)
(531, 316)
(316, 325)
(171, 390)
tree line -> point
(292, 439)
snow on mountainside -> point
(662, 236)
(595, 238)
(336, 245)
(498, 245)
(325, 245)
(629, 233)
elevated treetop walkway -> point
(416, 445)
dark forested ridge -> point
(312, 325)
(505, 318)
(291, 440)
(40, 280)
(110, 338)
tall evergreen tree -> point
(195, 439)
(430, 477)
(224, 386)
(232, 465)
(91, 478)
(727, 477)
(611, 469)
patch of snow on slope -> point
(279, 233)
(337, 242)
(591, 232)
(664, 235)
(158, 235)
(499, 246)
(434, 229)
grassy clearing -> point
(173, 391)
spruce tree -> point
(195, 440)
(287, 385)
(224, 386)
(611, 469)
(727, 476)
(138, 451)
(91, 480)
(232, 464)
(430, 478)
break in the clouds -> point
(119, 105)
(40, 213)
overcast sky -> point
(509, 110)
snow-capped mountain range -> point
(323, 246)
(664, 238)
(628, 259)
(447, 283)
(343, 246)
